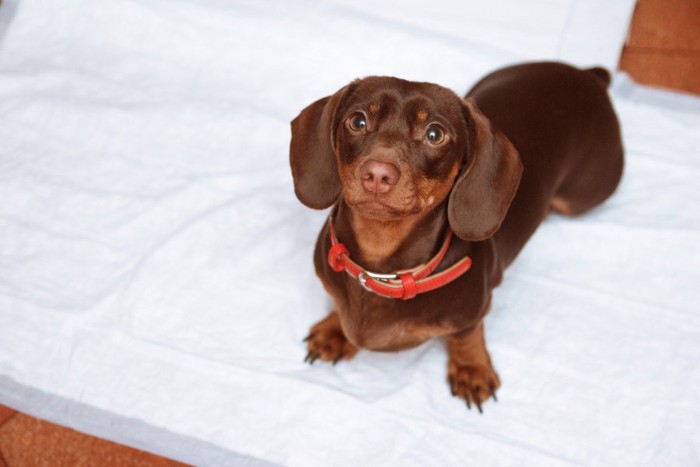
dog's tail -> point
(601, 73)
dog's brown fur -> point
(525, 140)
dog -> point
(433, 196)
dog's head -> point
(393, 148)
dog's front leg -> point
(328, 342)
(469, 371)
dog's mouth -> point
(401, 201)
(380, 210)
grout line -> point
(663, 51)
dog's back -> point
(561, 121)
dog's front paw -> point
(327, 342)
(469, 371)
(474, 383)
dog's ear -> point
(484, 190)
(312, 153)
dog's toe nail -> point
(469, 405)
(338, 358)
(311, 357)
(478, 406)
(493, 393)
(308, 338)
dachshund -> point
(433, 196)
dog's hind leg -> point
(595, 174)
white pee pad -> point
(155, 267)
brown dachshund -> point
(433, 197)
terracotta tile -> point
(671, 70)
(667, 24)
(27, 441)
(6, 413)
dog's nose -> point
(379, 177)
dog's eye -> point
(357, 121)
(435, 134)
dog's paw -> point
(474, 383)
(327, 342)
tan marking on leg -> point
(562, 207)
(469, 371)
(327, 341)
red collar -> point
(404, 284)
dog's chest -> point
(377, 323)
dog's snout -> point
(379, 177)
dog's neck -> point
(387, 246)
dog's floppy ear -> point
(484, 190)
(311, 153)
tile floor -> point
(663, 49)
(27, 441)
(663, 45)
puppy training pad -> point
(155, 267)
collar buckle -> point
(364, 275)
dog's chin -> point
(381, 211)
